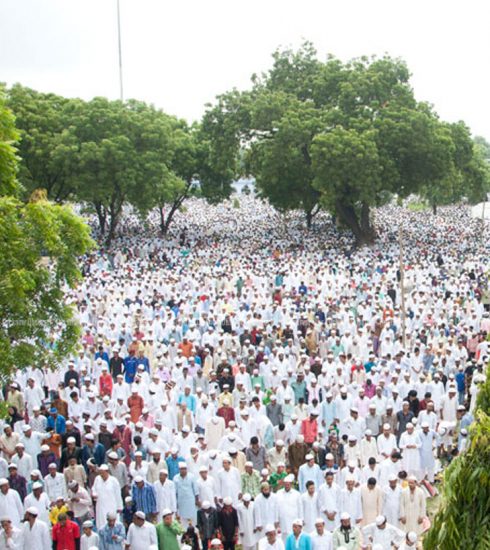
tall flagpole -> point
(121, 94)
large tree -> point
(342, 136)
(37, 326)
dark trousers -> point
(228, 545)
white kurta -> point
(411, 456)
(310, 511)
(141, 538)
(229, 484)
(42, 505)
(266, 510)
(350, 501)
(289, 509)
(165, 495)
(108, 498)
(329, 503)
(388, 537)
(11, 506)
(427, 460)
(322, 542)
(391, 504)
(36, 537)
(246, 525)
(412, 507)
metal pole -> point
(120, 52)
(402, 288)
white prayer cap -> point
(113, 455)
(269, 528)
(247, 497)
(167, 511)
(44, 447)
(368, 432)
(298, 521)
(32, 510)
(203, 468)
(386, 427)
(329, 456)
(392, 477)
(350, 478)
(264, 472)
(3, 481)
(280, 443)
(412, 536)
(182, 465)
(380, 520)
(309, 456)
(37, 485)
(140, 514)
(215, 542)
(412, 478)
(138, 479)
(409, 425)
(228, 501)
(104, 468)
(52, 465)
(26, 428)
(289, 478)
(319, 520)
(425, 424)
(344, 516)
(249, 463)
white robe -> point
(246, 525)
(289, 509)
(322, 542)
(329, 502)
(42, 505)
(350, 501)
(411, 457)
(229, 484)
(38, 537)
(310, 511)
(141, 538)
(266, 510)
(108, 498)
(11, 506)
(165, 495)
(386, 537)
(391, 504)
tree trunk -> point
(366, 227)
(434, 208)
(348, 216)
(308, 219)
(102, 216)
(175, 206)
(162, 220)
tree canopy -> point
(37, 327)
(341, 136)
(110, 153)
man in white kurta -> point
(289, 506)
(10, 503)
(229, 482)
(412, 507)
(410, 445)
(350, 501)
(107, 492)
(35, 533)
(246, 524)
(321, 539)
(382, 533)
(428, 441)
(329, 502)
(309, 506)
(266, 509)
(391, 501)
(165, 493)
(141, 534)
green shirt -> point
(251, 484)
(167, 536)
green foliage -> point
(343, 136)
(463, 520)
(40, 243)
(108, 153)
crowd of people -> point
(246, 381)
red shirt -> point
(65, 537)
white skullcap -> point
(380, 520)
(228, 501)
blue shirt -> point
(130, 367)
(303, 542)
(106, 534)
(144, 498)
(60, 427)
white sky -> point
(180, 54)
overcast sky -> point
(180, 54)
